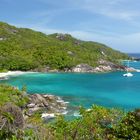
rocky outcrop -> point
(82, 68)
(104, 66)
(45, 103)
(101, 68)
(109, 66)
(61, 37)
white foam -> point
(66, 102)
(138, 70)
(64, 113)
(76, 114)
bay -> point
(107, 89)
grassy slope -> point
(25, 49)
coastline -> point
(47, 105)
(104, 67)
(6, 75)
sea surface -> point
(107, 89)
(136, 55)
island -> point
(36, 116)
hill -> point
(26, 49)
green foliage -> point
(129, 126)
(96, 123)
(99, 123)
(25, 49)
(12, 121)
(11, 94)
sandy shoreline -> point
(5, 75)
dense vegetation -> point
(98, 123)
(25, 49)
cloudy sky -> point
(113, 22)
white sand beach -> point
(5, 75)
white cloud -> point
(117, 9)
(125, 43)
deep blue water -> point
(108, 89)
(137, 55)
(134, 64)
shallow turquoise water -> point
(109, 89)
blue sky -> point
(112, 22)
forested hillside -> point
(25, 49)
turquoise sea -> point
(108, 89)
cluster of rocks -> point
(45, 103)
(104, 66)
(77, 42)
(90, 69)
(12, 30)
(64, 37)
(82, 68)
(86, 68)
(61, 37)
